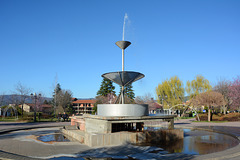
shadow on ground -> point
(128, 152)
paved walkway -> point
(232, 128)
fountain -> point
(116, 124)
(123, 78)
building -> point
(83, 106)
(154, 107)
(44, 108)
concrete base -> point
(76, 134)
(99, 131)
(119, 138)
(107, 124)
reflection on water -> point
(56, 137)
(198, 142)
(208, 143)
(195, 142)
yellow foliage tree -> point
(170, 92)
(197, 86)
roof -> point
(74, 99)
(154, 106)
(85, 101)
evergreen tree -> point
(129, 91)
(56, 92)
(106, 88)
(57, 89)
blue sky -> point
(75, 41)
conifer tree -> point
(55, 93)
(106, 88)
(129, 91)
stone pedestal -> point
(99, 131)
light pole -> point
(35, 97)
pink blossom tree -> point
(234, 93)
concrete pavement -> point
(14, 126)
(23, 148)
(19, 144)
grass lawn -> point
(7, 120)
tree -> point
(23, 92)
(46, 102)
(56, 91)
(223, 88)
(197, 86)
(109, 99)
(64, 100)
(209, 99)
(146, 99)
(234, 93)
(106, 88)
(170, 92)
(129, 91)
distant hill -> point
(12, 99)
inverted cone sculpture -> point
(123, 78)
(123, 44)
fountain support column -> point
(123, 76)
(122, 45)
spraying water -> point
(125, 18)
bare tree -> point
(23, 92)
(223, 88)
(234, 93)
(209, 99)
(146, 99)
(64, 98)
(39, 102)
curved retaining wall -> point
(122, 109)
